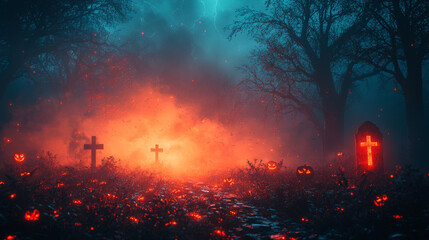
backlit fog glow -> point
(139, 119)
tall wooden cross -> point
(93, 147)
(156, 150)
(368, 144)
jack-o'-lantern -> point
(228, 181)
(32, 216)
(304, 172)
(19, 157)
(272, 166)
(380, 200)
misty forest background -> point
(313, 69)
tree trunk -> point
(332, 109)
(333, 116)
(413, 93)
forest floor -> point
(54, 202)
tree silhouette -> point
(307, 58)
(31, 30)
(399, 37)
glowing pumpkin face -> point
(380, 200)
(19, 157)
(32, 216)
(228, 181)
(304, 172)
(271, 165)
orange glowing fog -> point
(192, 145)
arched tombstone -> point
(369, 149)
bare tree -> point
(306, 58)
(30, 29)
(399, 37)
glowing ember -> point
(32, 216)
(196, 216)
(220, 233)
(25, 174)
(171, 223)
(140, 198)
(134, 219)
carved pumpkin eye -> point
(304, 172)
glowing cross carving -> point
(368, 144)
(156, 150)
(93, 147)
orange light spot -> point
(92, 228)
(220, 233)
(397, 216)
(171, 223)
(32, 216)
(351, 193)
(1, 182)
(77, 202)
(134, 219)
(339, 154)
(233, 212)
(391, 175)
(196, 216)
(10, 237)
(111, 195)
(304, 219)
(60, 185)
(25, 174)
(13, 195)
